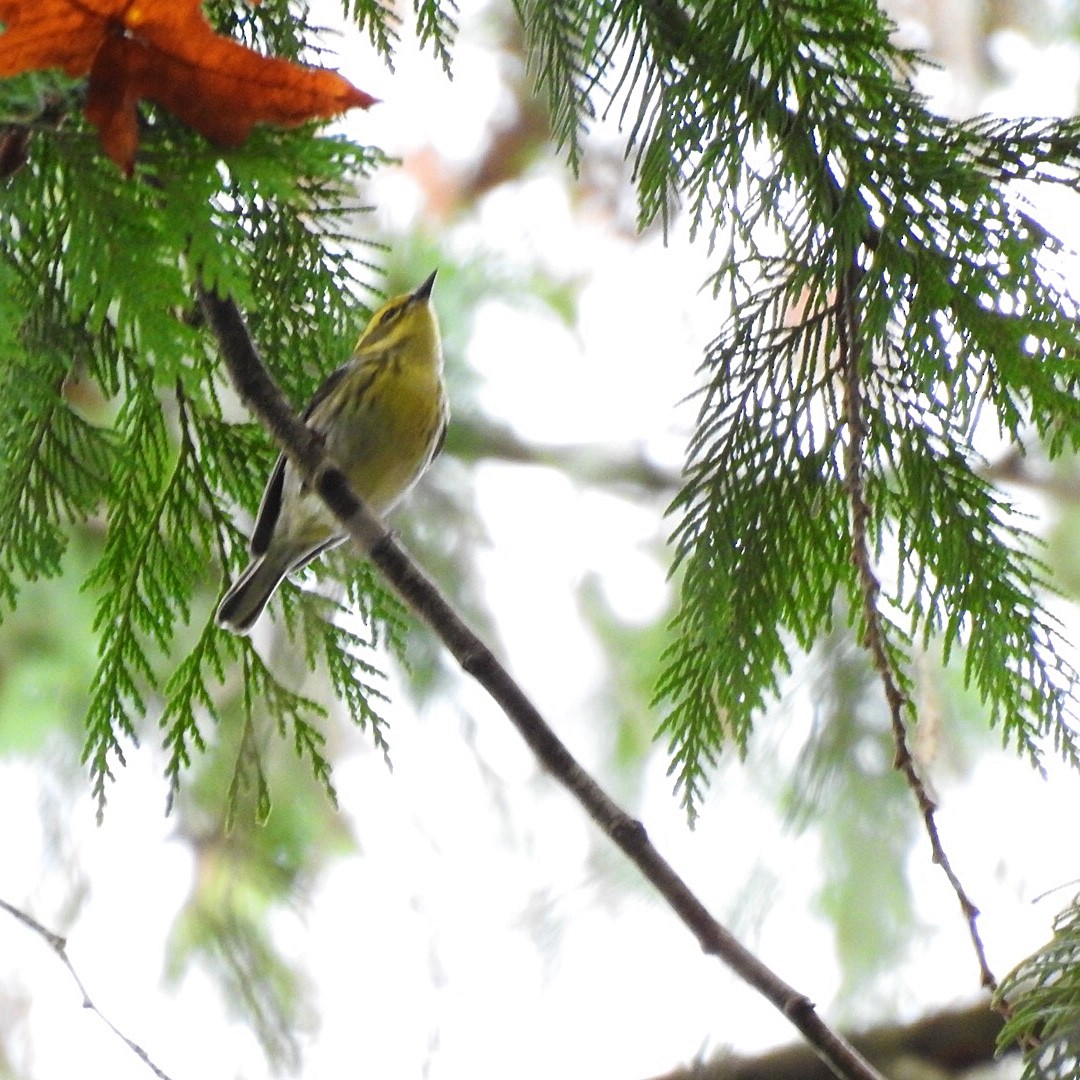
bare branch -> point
(59, 946)
(259, 392)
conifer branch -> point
(258, 391)
(58, 945)
(849, 340)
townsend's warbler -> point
(382, 417)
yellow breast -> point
(393, 437)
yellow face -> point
(407, 320)
(389, 313)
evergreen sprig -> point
(563, 58)
(53, 460)
(114, 410)
(381, 22)
(437, 27)
(1042, 996)
(792, 134)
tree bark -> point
(943, 1044)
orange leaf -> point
(166, 52)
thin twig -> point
(58, 945)
(874, 637)
(305, 450)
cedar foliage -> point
(793, 141)
(99, 275)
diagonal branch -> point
(874, 637)
(259, 392)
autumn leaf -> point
(166, 52)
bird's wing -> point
(270, 507)
(324, 391)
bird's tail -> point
(251, 591)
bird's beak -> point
(424, 291)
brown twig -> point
(874, 637)
(59, 946)
(258, 390)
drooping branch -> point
(850, 339)
(255, 386)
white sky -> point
(473, 938)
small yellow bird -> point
(382, 417)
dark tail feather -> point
(244, 602)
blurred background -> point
(457, 915)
